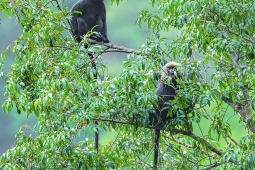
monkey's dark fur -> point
(93, 13)
(159, 117)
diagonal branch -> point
(187, 145)
(116, 48)
(199, 139)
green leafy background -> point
(122, 31)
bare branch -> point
(117, 48)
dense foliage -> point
(52, 78)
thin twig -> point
(114, 141)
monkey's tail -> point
(156, 149)
(90, 55)
(96, 137)
(96, 123)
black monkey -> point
(89, 14)
(86, 15)
(159, 118)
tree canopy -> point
(52, 77)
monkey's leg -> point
(101, 29)
(98, 28)
(156, 149)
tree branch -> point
(116, 48)
(187, 145)
(199, 139)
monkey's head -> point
(169, 71)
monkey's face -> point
(170, 71)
